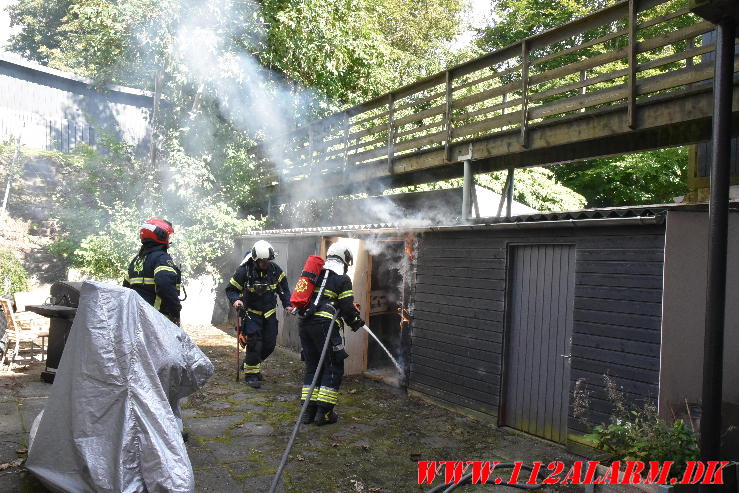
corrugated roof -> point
(564, 216)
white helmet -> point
(262, 250)
(340, 251)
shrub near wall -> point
(13, 276)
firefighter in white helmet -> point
(334, 295)
(253, 291)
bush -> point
(13, 277)
(641, 435)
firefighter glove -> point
(242, 339)
(356, 324)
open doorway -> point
(389, 316)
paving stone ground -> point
(237, 434)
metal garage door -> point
(541, 300)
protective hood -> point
(334, 265)
(109, 424)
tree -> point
(653, 177)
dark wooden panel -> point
(461, 340)
(474, 387)
(454, 399)
(483, 397)
(621, 254)
(430, 304)
(620, 280)
(458, 350)
(628, 333)
(616, 293)
(619, 267)
(458, 323)
(617, 345)
(459, 282)
(638, 388)
(616, 370)
(623, 319)
(490, 365)
(458, 299)
(619, 306)
(621, 238)
(430, 250)
(468, 334)
(492, 295)
(423, 269)
(467, 263)
(453, 368)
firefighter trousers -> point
(312, 336)
(261, 334)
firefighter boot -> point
(252, 381)
(325, 416)
(310, 414)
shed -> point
(505, 318)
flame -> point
(410, 251)
(405, 316)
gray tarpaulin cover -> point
(109, 423)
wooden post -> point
(524, 93)
(631, 117)
(390, 133)
(448, 117)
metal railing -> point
(620, 55)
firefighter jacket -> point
(157, 279)
(258, 289)
(338, 293)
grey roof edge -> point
(646, 214)
(14, 59)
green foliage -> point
(107, 195)
(536, 187)
(642, 435)
(652, 177)
(13, 277)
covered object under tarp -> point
(112, 422)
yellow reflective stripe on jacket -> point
(158, 303)
(236, 284)
(164, 268)
(255, 312)
(326, 292)
(346, 294)
(281, 277)
(324, 314)
(141, 280)
(270, 312)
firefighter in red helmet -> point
(152, 273)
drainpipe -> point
(718, 213)
(466, 191)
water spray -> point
(400, 370)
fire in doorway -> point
(390, 315)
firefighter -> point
(252, 289)
(152, 273)
(335, 295)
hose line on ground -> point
(467, 479)
(296, 428)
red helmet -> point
(157, 230)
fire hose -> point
(467, 479)
(239, 313)
(296, 428)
